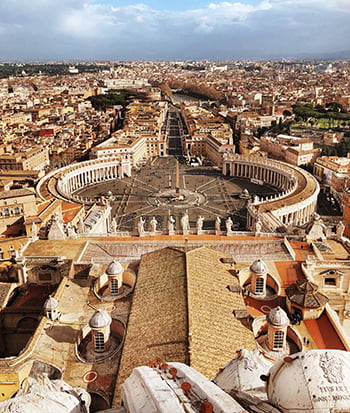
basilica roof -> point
(306, 294)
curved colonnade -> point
(295, 204)
(74, 177)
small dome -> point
(114, 268)
(277, 317)
(258, 267)
(311, 381)
(100, 319)
(243, 372)
(51, 303)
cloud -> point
(86, 29)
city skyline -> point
(152, 30)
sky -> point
(44, 30)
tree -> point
(335, 107)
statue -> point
(153, 224)
(34, 230)
(70, 230)
(141, 227)
(171, 225)
(200, 221)
(229, 224)
(340, 229)
(185, 224)
(218, 224)
(114, 225)
(80, 226)
(258, 226)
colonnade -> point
(300, 214)
(90, 172)
(294, 206)
(272, 175)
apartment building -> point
(34, 158)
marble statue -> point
(141, 227)
(340, 229)
(218, 224)
(185, 224)
(70, 230)
(80, 226)
(153, 224)
(200, 221)
(229, 224)
(34, 230)
(258, 226)
(114, 225)
(171, 225)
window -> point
(99, 342)
(6, 212)
(259, 286)
(330, 281)
(114, 286)
(278, 340)
(43, 277)
(16, 210)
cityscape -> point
(175, 207)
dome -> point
(258, 267)
(51, 303)
(277, 317)
(45, 395)
(311, 381)
(243, 372)
(100, 319)
(114, 268)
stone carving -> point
(340, 229)
(218, 224)
(153, 224)
(56, 231)
(185, 225)
(249, 361)
(171, 225)
(80, 226)
(141, 227)
(229, 224)
(114, 225)
(332, 368)
(317, 230)
(258, 226)
(70, 230)
(200, 221)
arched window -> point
(6, 212)
(114, 286)
(259, 285)
(16, 210)
(99, 341)
(278, 340)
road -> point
(174, 130)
